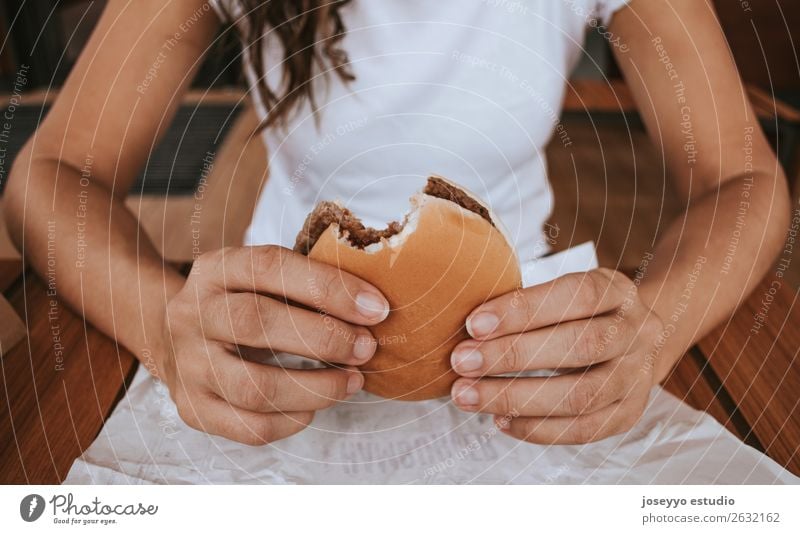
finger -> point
(217, 417)
(267, 388)
(567, 298)
(614, 419)
(280, 271)
(569, 394)
(567, 345)
(258, 321)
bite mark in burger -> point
(446, 257)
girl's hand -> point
(244, 297)
(591, 325)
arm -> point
(75, 172)
(734, 191)
(65, 203)
(618, 337)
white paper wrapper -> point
(372, 440)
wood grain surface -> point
(59, 386)
(756, 356)
(50, 412)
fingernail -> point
(354, 383)
(465, 395)
(482, 324)
(364, 348)
(466, 359)
(372, 306)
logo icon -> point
(31, 507)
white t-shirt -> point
(467, 89)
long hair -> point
(310, 32)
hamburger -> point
(447, 256)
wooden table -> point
(53, 408)
(49, 414)
(750, 381)
(52, 412)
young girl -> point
(360, 101)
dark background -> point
(49, 35)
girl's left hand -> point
(591, 325)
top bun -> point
(448, 256)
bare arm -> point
(734, 191)
(619, 336)
(75, 172)
(65, 198)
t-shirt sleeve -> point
(605, 9)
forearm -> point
(710, 258)
(91, 253)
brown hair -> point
(310, 32)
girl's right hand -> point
(243, 297)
